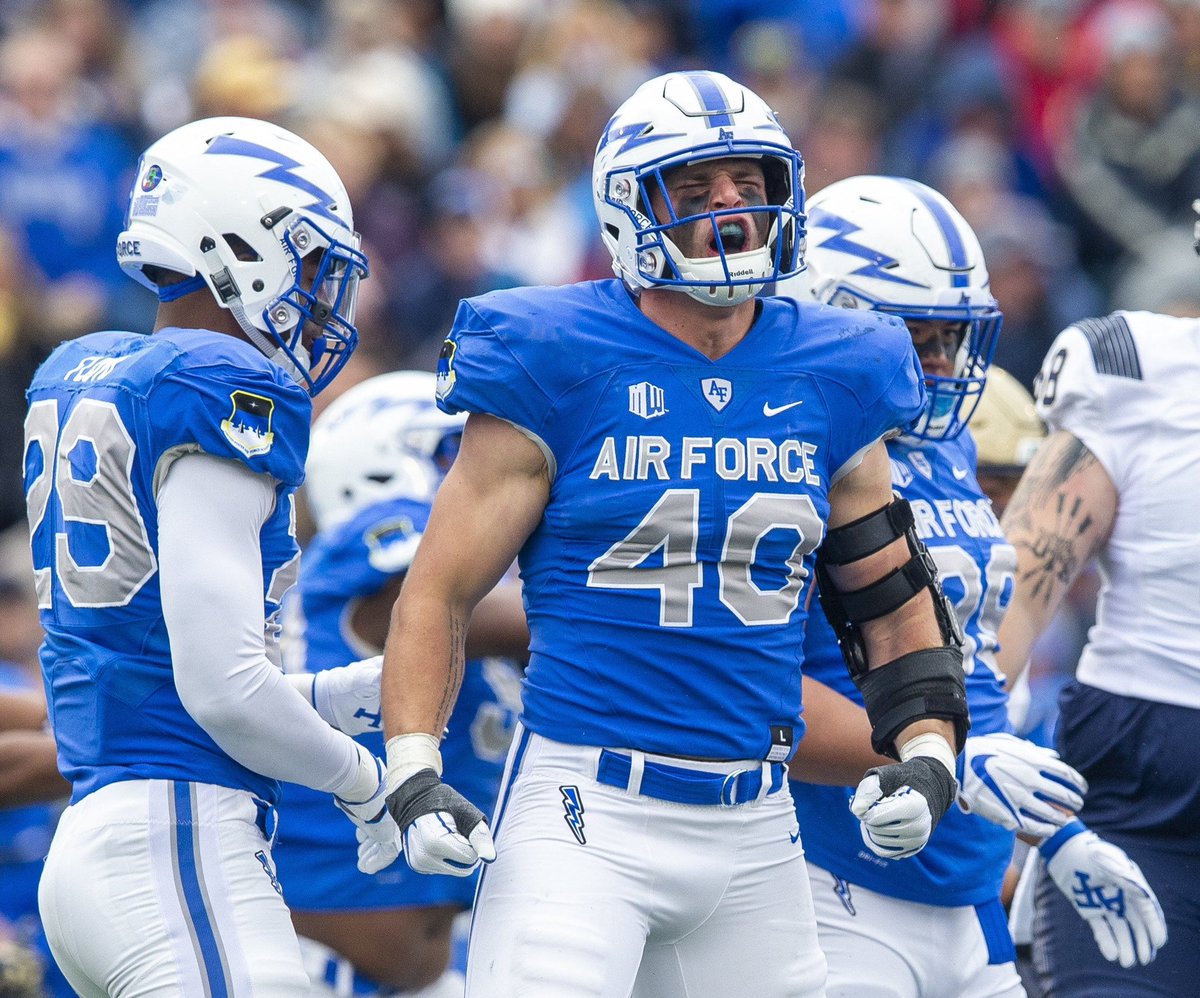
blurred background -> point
(1066, 131)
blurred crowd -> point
(1066, 131)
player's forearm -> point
(836, 748)
(213, 609)
(29, 769)
(1061, 514)
(423, 662)
(21, 710)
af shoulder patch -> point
(248, 426)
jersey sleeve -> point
(881, 392)
(482, 369)
(254, 416)
(1072, 392)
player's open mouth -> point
(731, 236)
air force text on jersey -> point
(955, 517)
(755, 459)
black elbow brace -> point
(922, 684)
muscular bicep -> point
(1061, 515)
(490, 502)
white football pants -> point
(162, 888)
(882, 947)
(602, 892)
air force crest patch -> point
(717, 392)
(248, 426)
(445, 369)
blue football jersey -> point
(107, 414)
(316, 846)
(666, 585)
(965, 860)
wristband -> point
(932, 746)
(1050, 847)
(408, 754)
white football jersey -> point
(1128, 387)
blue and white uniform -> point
(108, 414)
(122, 433)
(666, 589)
(316, 845)
(963, 864)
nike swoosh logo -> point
(979, 766)
(770, 410)
(959, 473)
(796, 837)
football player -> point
(159, 473)
(1117, 480)
(667, 452)
(377, 455)
(892, 245)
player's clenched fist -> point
(442, 831)
(899, 806)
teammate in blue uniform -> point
(377, 453)
(933, 925)
(667, 453)
(159, 474)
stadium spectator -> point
(1131, 158)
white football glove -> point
(348, 697)
(1018, 785)
(443, 832)
(1107, 890)
(899, 806)
(379, 841)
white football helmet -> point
(238, 205)
(676, 120)
(894, 245)
(382, 439)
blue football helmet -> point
(894, 245)
(261, 219)
(678, 120)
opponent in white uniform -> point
(159, 473)
(1118, 479)
(666, 453)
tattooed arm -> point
(1059, 517)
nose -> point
(724, 193)
(935, 357)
